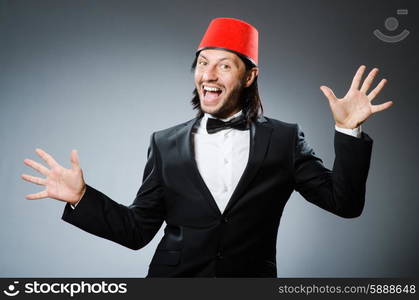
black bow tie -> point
(215, 125)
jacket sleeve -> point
(132, 226)
(340, 191)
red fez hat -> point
(232, 34)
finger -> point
(47, 158)
(357, 78)
(75, 163)
(40, 195)
(328, 93)
(380, 107)
(377, 89)
(368, 81)
(33, 179)
(37, 166)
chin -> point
(210, 110)
(220, 110)
(213, 110)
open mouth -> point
(211, 94)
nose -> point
(210, 74)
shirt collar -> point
(225, 120)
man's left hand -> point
(355, 107)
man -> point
(221, 180)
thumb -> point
(75, 163)
(329, 94)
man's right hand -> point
(60, 183)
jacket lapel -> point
(260, 136)
(185, 147)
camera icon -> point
(392, 24)
(11, 289)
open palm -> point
(60, 183)
(355, 107)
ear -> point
(251, 76)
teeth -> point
(211, 89)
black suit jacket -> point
(199, 240)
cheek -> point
(231, 84)
(231, 80)
(197, 75)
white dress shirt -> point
(221, 157)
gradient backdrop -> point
(101, 76)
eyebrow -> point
(221, 59)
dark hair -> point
(250, 101)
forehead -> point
(219, 54)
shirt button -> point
(225, 161)
(224, 220)
(219, 255)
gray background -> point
(101, 76)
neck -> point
(226, 115)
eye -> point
(225, 66)
(202, 63)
